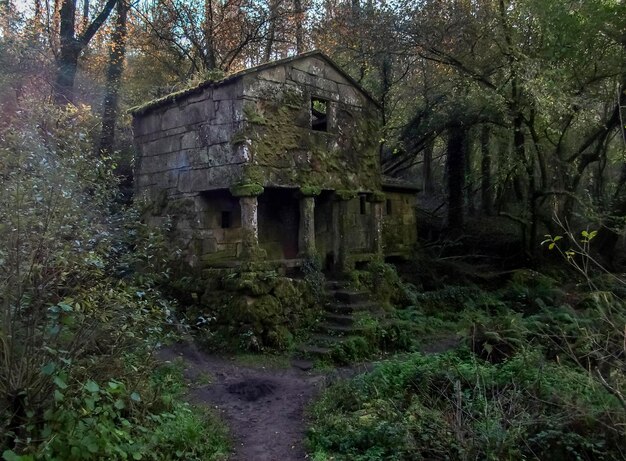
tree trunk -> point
(427, 169)
(71, 47)
(486, 197)
(271, 32)
(210, 59)
(469, 179)
(114, 76)
(455, 166)
(299, 13)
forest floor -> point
(263, 406)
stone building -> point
(278, 162)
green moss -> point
(252, 116)
(170, 98)
(310, 191)
(376, 197)
(346, 194)
(287, 151)
(253, 174)
(246, 190)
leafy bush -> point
(454, 407)
(77, 323)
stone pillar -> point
(306, 229)
(340, 229)
(377, 199)
(249, 205)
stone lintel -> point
(345, 194)
(246, 190)
(309, 191)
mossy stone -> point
(310, 191)
(376, 197)
(346, 194)
(247, 190)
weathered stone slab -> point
(224, 154)
(161, 146)
(223, 112)
(144, 180)
(172, 118)
(274, 74)
(147, 125)
(350, 95)
(331, 74)
(218, 177)
(227, 92)
(178, 160)
(255, 88)
(198, 112)
(153, 164)
(310, 65)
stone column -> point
(377, 199)
(340, 229)
(247, 194)
(306, 229)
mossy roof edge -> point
(178, 95)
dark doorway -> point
(279, 220)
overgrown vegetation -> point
(78, 324)
(539, 374)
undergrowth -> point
(539, 375)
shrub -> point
(453, 406)
(77, 325)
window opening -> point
(319, 114)
(226, 220)
(363, 204)
(389, 209)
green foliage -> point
(452, 406)
(246, 190)
(383, 281)
(80, 313)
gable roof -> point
(177, 96)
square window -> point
(319, 114)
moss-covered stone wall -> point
(256, 309)
(184, 145)
(256, 130)
(285, 151)
(399, 222)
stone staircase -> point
(338, 323)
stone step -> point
(320, 339)
(334, 329)
(311, 350)
(334, 285)
(351, 297)
(339, 319)
(343, 308)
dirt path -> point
(264, 408)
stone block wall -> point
(285, 151)
(184, 146)
(399, 222)
(256, 128)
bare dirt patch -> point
(263, 407)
